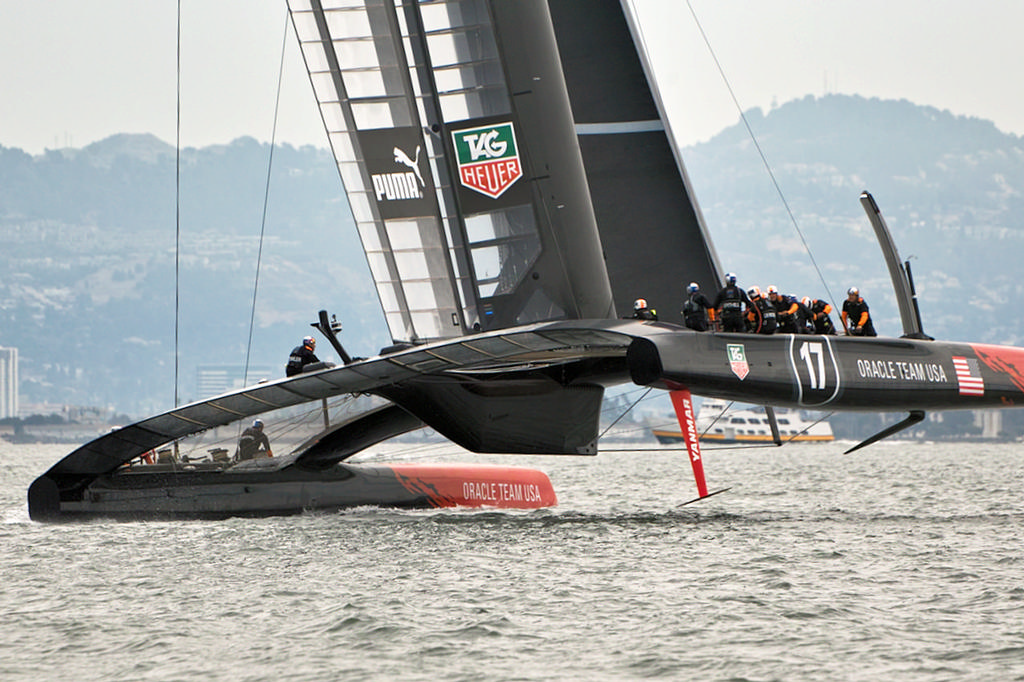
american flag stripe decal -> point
(968, 375)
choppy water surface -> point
(904, 561)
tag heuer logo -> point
(488, 158)
(738, 360)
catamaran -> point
(508, 165)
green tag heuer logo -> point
(738, 360)
(488, 158)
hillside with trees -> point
(92, 241)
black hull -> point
(828, 372)
(151, 493)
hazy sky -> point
(76, 71)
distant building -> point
(8, 382)
(213, 380)
(990, 422)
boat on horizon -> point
(716, 423)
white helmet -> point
(772, 289)
(730, 278)
(853, 291)
(754, 292)
(692, 288)
(640, 304)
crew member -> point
(856, 319)
(301, 356)
(761, 315)
(251, 441)
(787, 309)
(641, 311)
(729, 305)
(820, 315)
(697, 311)
(804, 317)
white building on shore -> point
(8, 382)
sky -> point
(76, 71)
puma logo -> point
(403, 158)
(403, 184)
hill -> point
(88, 239)
(87, 248)
(949, 187)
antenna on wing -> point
(330, 329)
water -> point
(903, 561)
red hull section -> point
(1005, 360)
(477, 485)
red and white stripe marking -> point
(968, 375)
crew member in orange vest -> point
(856, 318)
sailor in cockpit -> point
(251, 441)
(641, 311)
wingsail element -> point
(654, 236)
(454, 137)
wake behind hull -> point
(148, 492)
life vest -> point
(693, 310)
(732, 302)
(768, 321)
(299, 358)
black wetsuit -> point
(822, 322)
(762, 316)
(300, 357)
(645, 314)
(788, 309)
(730, 302)
(804, 319)
(853, 312)
(250, 441)
(695, 311)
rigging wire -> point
(724, 413)
(703, 448)
(266, 200)
(289, 426)
(625, 412)
(717, 417)
(177, 205)
(757, 145)
(808, 428)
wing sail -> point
(651, 226)
(454, 139)
(361, 80)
